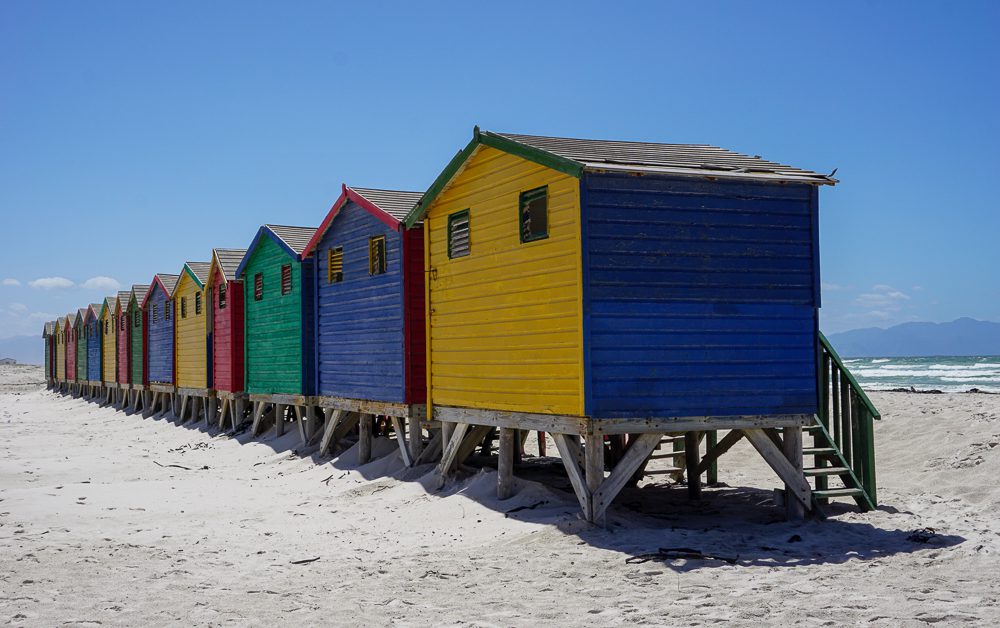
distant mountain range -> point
(963, 336)
(24, 349)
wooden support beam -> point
(223, 409)
(447, 464)
(505, 463)
(300, 425)
(404, 448)
(365, 439)
(472, 440)
(312, 423)
(447, 428)
(332, 420)
(692, 451)
(796, 484)
(416, 439)
(237, 416)
(574, 471)
(724, 445)
(279, 419)
(635, 455)
(792, 448)
(431, 451)
(258, 417)
(593, 456)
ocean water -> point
(949, 374)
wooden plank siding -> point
(93, 331)
(81, 345)
(190, 332)
(60, 350)
(278, 340)
(700, 296)
(505, 321)
(108, 345)
(227, 331)
(70, 333)
(360, 320)
(122, 336)
(159, 334)
(415, 311)
(136, 325)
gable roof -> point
(95, 309)
(167, 283)
(66, 321)
(108, 304)
(293, 239)
(47, 328)
(389, 206)
(123, 297)
(573, 156)
(228, 260)
(139, 292)
(81, 315)
(198, 271)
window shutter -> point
(184, 307)
(258, 286)
(222, 295)
(458, 234)
(533, 214)
(376, 255)
(286, 279)
(197, 303)
(155, 314)
(335, 265)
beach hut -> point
(92, 330)
(599, 289)
(122, 347)
(81, 350)
(278, 323)
(224, 294)
(50, 377)
(159, 344)
(191, 339)
(137, 354)
(69, 329)
(58, 333)
(370, 314)
(107, 322)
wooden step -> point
(667, 471)
(837, 492)
(825, 471)
(670, 455)
(818, 451)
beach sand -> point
(95, 528)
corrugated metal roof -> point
(111, 301)
(396, 203)
(97, 309)
(81, 313)
(140, 290)
(200, 270)
(667, 158)
(229, 261)
(169, 281)
(123, 297)
(295, 237)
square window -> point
(286, 279)
(376, 255)
(258, 286)
(458, 234)
(197, 303)
(222, 296)
(335, 265)
(533, 214)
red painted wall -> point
(416, 332)
(227, 336)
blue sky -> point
(137, 135)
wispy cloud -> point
(51, 283)
(883, 297)
(18, 308)
(101, 283)
(10, 282)
(835, 287)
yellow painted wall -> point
(506, 320)
(190, 336)
(60, 350)
(108, 354)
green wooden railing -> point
(847, 416)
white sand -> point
(92, 530)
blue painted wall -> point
(700, 297)
(160, 338)
(93, 352)
(360, 320)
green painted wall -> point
(135, 334)
(81, 354)
(273, 325)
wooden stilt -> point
(365, 439)
(238, 416)
(692, 452)
(312, 424)
(447, 428)
(573, 469)
(300, 424)
(635, 455)
(450, 452)
(792, 448)
(431, 451)
(331, 424)
(416, 438)
(713, 453)
(797, 486)
(505, 463)
(258, 416)
(593, 455)
(279, 419)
